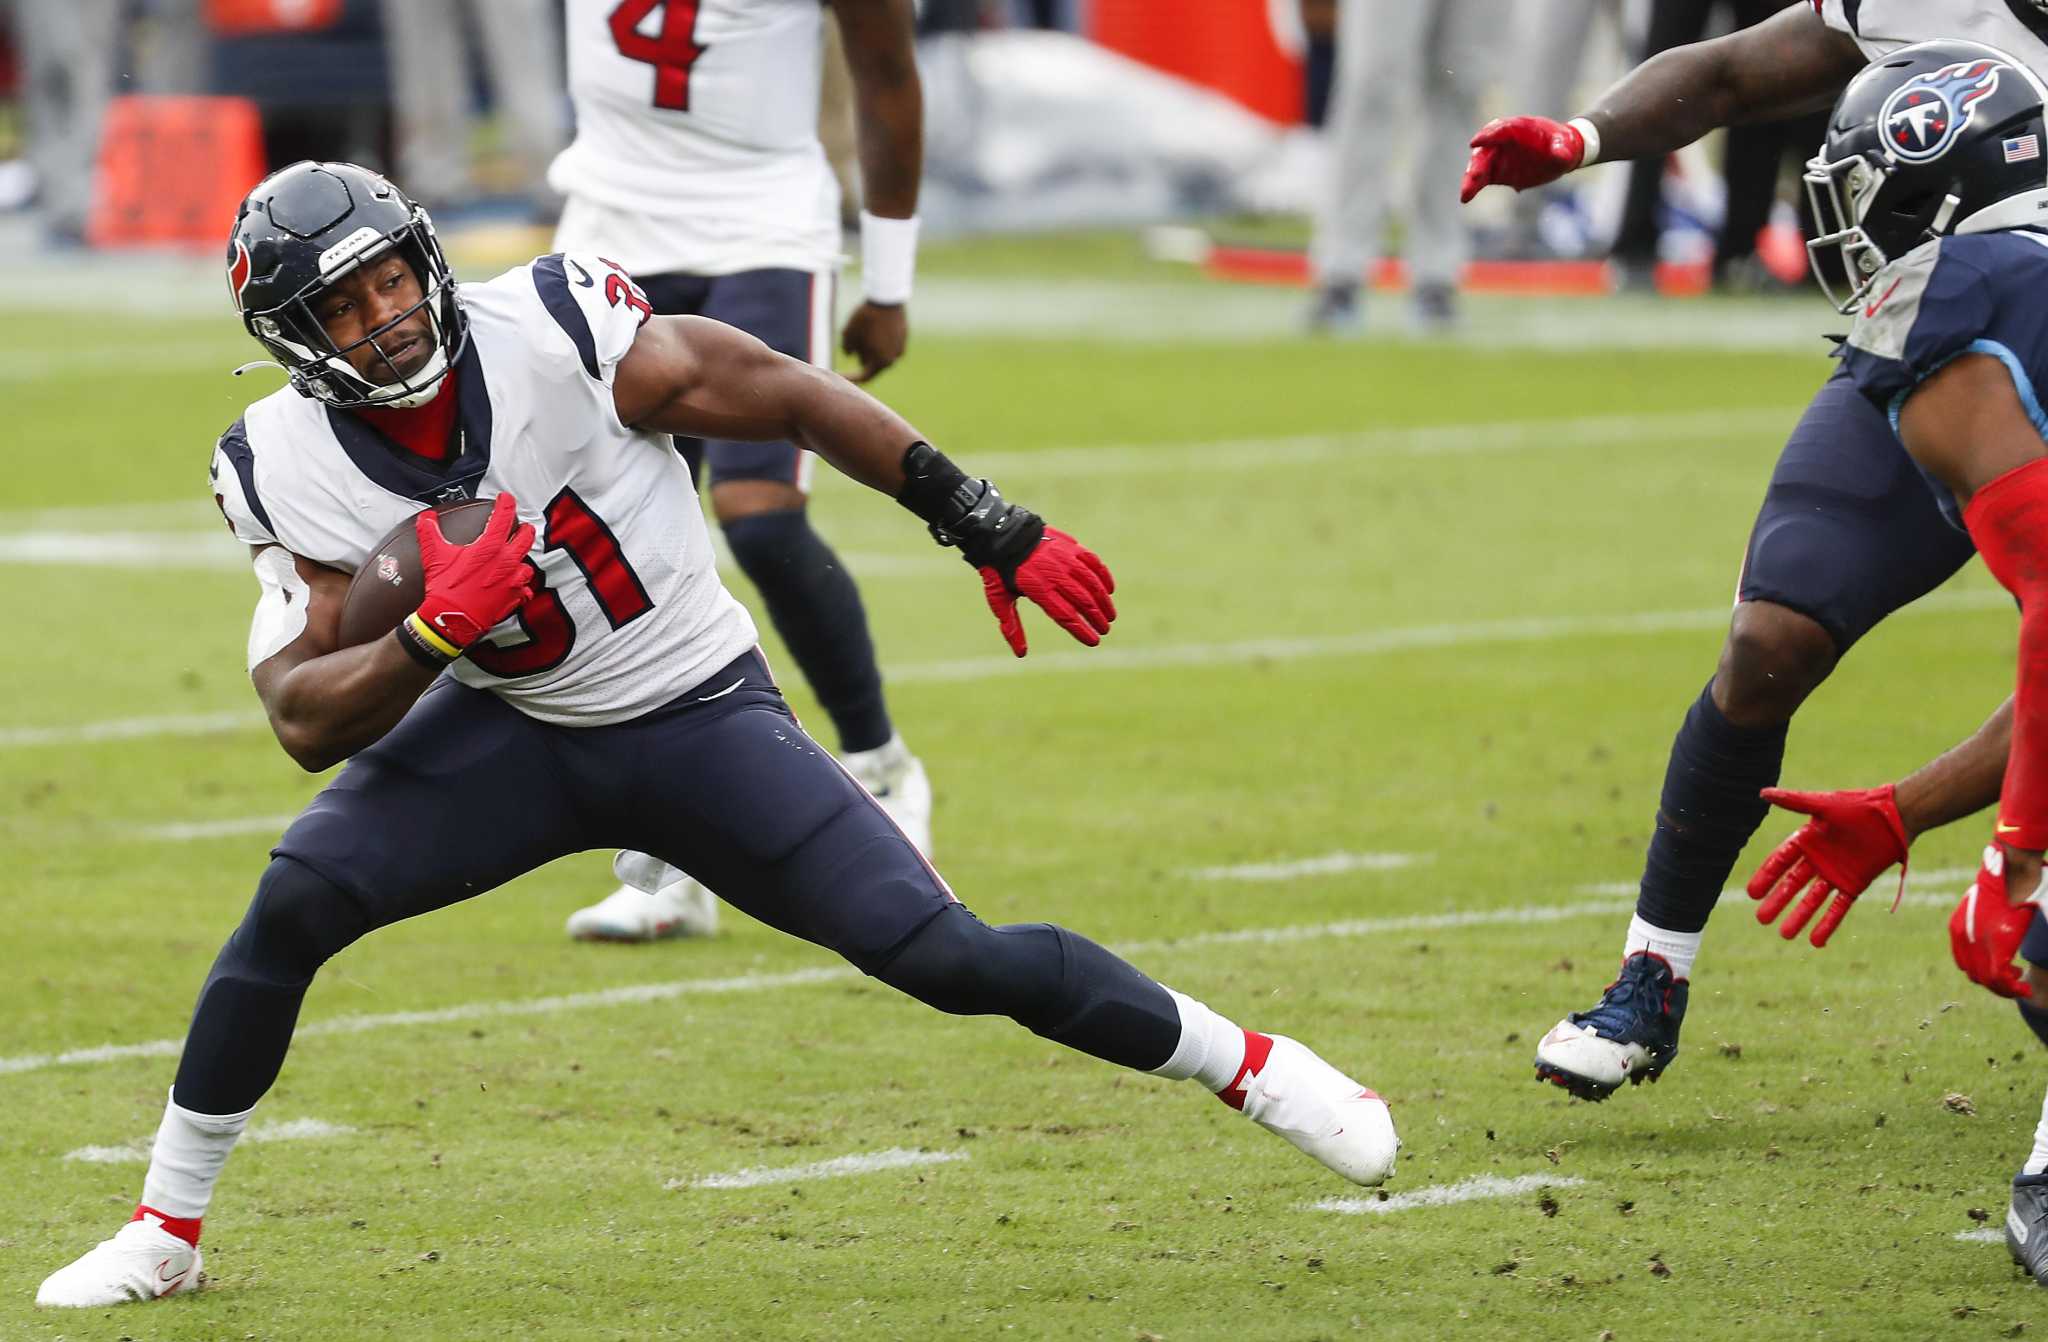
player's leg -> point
(780, 831)
(1848, 533)
(653, 901)
(760, 493)
(1379, 57)
(2026, 1216)
(1463, 39)
(463, 795)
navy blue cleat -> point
(2026, 1225)
(1630, 1035)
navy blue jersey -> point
(1982, 293)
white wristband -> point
(1591, 136)
(888, 258)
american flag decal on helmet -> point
(2020, 148)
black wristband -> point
(416, 648)
(969, 514)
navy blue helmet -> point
(1935, 138)
(304, 227)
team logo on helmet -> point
(1923, 117)
(238, 271)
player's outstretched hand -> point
(1849, 842)
(876, 334)
(470, 588)
(1985, 931)
(1065, 579)
(1521, 152)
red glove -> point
(1985, 931)
(1521, 152)
(1852, 838)
(1068, 582)
(470, 588)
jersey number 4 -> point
(671, 52)
(550, 629)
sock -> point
(1679, 949)
(1708, 811)
(816, 608)
(2037, 1163)
(1213, 1050)
(184, 1164)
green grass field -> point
(1445, 601)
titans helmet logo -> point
(1923, 117)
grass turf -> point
(1429, 682)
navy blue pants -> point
(467, 793)
(781, 308)
(1850, 530)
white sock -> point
(1679, 949)
(186, 1160)
(1211, 1048)
(2038, 1162)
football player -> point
(578, 678)
(697, 166)
(1847, 532)
(1925, 189)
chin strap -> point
(262, 363)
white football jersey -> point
(633, 612)
(2018, 27)
(696, 146)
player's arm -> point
(704, 379)
(325, 701)
(1788, 64)
(1966, 426)
(1850, 838)
(879, 37)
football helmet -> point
(1936, 138)
(304, 227)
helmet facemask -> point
(294, 334)
(1857, 219)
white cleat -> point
(681, 908)
(142, 1262)
(896, 779)
(1322, 1112)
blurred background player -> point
(698, 167)
(1847, 533)
(1399, 62)
(521, 47)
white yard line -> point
(636, 994)
(212, 829)
(1428, 440)
(1987, 1235)
(1446, 1195)
(289, 1130)
(895, 1158)
(1368, 643)
(1330, 864)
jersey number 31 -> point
(671, 52)
(549, 628)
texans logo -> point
(238, 271)
(1922, 119)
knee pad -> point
(297, 922)
(765, 542)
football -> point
(391, 583)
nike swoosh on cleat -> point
(168, 1284)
